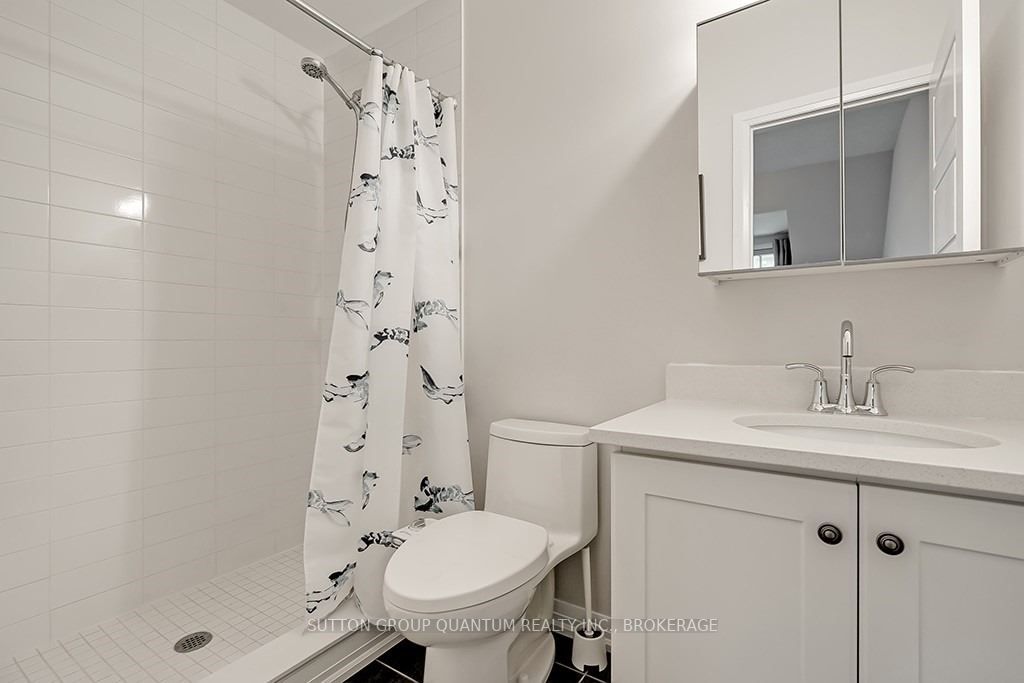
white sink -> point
(872, 431)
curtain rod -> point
(331, 25)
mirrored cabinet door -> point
(859, 132)
(912, 108)
(770, 150)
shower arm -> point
(348, 99)
(331, 25)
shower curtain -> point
(392, 443)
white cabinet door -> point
(701, 541)
(949, 607)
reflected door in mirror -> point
(912, 109)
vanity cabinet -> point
(694, 541)
(936, 581)
(949, 608)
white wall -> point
(868, 179)
(160, 238)
(580, 210)
(810, 196)
(908, 229)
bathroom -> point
(174, 196)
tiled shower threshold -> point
(255, 610)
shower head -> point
(313, 67)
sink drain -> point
(193, 641)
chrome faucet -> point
(846, 404)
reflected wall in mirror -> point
(804, 162)
(795, 214)
(912, 105)
(769, 102)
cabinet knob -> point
(890, 544)
(830, 534)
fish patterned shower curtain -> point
(392, 443)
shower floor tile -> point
(242, 609)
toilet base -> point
(537, 667)
(514, 656)
(485, 661)
(488, 661)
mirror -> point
(795, 214)
(770, 149)
(912, 105)
(812, 157)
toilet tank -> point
(545, 473)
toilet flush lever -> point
(819, 400)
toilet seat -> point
(465, 560)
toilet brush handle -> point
(586, 591)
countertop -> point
(705, 430)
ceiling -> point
(361, 17)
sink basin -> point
(868, 431)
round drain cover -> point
(193, 641)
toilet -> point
(465, 584)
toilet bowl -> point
(477, 588)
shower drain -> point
(193, 641)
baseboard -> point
(566, 612)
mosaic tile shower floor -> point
(244, 609)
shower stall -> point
(172, 197)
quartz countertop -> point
(707, 431)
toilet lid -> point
(464, 560)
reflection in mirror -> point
(887, 195)
(796, 191)
(768, 109)
(911, 73)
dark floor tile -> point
(407, 657)
(563, 649)
(605, 676)
(563, 655)
(564, 674)
(377, 673)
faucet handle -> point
(873, 392)
(819, 401)
(807, 366)
(890, 368)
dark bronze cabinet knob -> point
(890, 544)
(830, 534)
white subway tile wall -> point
(161, 266)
